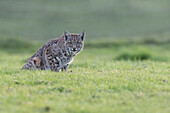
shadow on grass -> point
(138, 55)
(17, 45)
(10, 43)
(133, 56)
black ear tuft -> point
(66, 35)
(82, 35)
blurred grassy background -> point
(43, 20)
(133, 29)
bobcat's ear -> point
(82, 35)
(66, 35)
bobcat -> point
(57, 53)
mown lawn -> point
(100, 80)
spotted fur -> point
(57, 53)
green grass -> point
(126, 70)
(42, 20)
(96, 81)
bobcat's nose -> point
(74, 49)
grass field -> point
(124, 67)
(43, 19)
(117, 78)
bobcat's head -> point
(74, 42)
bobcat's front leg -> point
(55, 64)
(53, 61)
(65, 67)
